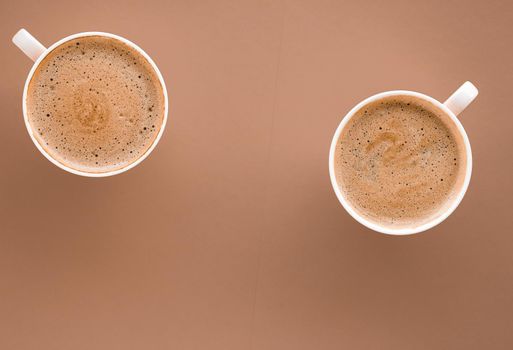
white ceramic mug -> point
(37, 52)
(454, 105)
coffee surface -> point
(397, 162)
(95, 104)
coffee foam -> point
(95, 104)
(399, 161)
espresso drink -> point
(95, 104)
(398, 161)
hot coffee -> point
(95, 104)
(399, 161)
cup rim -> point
(31, 131)
(409, 230)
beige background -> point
(229, 236)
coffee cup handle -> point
(28, 44)
(462, 98)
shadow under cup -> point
(400, 195)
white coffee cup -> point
(454, 105)
(37, 52)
